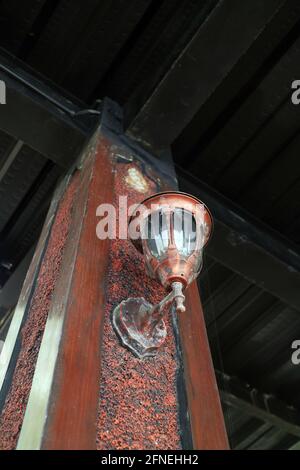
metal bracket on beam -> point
(35, 113)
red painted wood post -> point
(87, 391)
(207, 424)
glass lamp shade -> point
(172, 229)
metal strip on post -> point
(10, 349)
(65, 319)
(159, 114)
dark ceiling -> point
(212, 80)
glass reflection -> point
(184, 229)
(157, 233)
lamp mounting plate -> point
(132, 321)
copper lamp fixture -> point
(170, 229)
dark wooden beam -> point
(158, 117)
(259, 405)
(36, 114)
(261, 71)
(248, 246)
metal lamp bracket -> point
(140, 325)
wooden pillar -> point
(67, 382)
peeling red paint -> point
(138, 403)
(32, 332)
